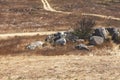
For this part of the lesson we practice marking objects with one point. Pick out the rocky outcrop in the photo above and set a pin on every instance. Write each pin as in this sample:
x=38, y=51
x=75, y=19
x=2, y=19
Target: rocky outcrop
x=98, y=37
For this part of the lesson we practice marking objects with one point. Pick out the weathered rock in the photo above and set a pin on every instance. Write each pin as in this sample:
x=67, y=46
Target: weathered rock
x=116, y=37
x=112, y=30
x=96, y=40
x=34, y=45
x=82, y=47
x=102, y=32
x=53, y=38
x=61, y=41
x=115, y=34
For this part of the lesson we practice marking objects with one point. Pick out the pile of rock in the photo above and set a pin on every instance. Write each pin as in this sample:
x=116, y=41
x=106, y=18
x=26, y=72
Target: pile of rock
x=61, y=38
x=98, y=37
x=58, y=38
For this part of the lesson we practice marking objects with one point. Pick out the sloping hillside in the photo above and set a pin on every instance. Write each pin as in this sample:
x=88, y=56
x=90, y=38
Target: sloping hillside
x=29, y=15
x=104, y=7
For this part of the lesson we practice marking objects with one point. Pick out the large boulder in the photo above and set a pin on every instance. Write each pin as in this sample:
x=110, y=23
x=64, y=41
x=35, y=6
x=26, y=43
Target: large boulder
x=96, y=40
x=82, y=47
x=112, y=30
x=115, y=34
x=102, y=32
x=34, y=45
x=61, y=41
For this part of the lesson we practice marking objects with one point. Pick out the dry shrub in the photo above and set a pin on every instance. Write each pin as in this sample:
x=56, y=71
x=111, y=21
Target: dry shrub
x=84, y=27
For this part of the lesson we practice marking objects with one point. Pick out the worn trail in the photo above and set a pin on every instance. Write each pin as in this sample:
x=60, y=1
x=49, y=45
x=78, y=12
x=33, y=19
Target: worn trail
x=48, y=7
x=9, y=35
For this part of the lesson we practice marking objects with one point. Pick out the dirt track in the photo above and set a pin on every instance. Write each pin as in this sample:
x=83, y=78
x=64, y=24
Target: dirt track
x=49, y=8
x=5, y=36
x=101, y=16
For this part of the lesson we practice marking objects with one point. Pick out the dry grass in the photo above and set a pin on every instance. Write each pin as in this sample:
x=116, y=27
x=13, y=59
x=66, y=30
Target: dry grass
x=17, y=46
x=17, y=63
x=29, y=16
x=59, y=68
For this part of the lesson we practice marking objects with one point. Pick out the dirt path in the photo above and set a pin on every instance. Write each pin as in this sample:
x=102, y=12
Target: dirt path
x=49, y=8
x=9, y=35
x=101, y=16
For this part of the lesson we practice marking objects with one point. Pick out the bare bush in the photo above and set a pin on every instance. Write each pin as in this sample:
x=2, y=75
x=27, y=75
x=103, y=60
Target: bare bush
x=83, y=28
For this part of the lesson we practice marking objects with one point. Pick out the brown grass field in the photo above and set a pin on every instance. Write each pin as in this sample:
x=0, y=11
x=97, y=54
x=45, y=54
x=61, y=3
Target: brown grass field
x=56, y=62
x=59, y=68
x=29, y=15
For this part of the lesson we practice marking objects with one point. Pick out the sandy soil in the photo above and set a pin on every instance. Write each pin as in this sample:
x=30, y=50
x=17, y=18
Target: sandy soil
x=60, y=68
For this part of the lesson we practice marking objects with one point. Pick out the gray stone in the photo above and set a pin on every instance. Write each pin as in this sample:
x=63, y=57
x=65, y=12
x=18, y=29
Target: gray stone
x=102, y=32
x=82, y=47
x=53, y=38
x=96, y=40
x=34, y=45
x=60, y=35
x=61, y=41
x=112, y=30
x=115, y=34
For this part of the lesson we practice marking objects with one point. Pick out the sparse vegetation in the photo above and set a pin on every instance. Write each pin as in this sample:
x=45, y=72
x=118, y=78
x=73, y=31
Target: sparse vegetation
x=56, y=62
x=29, y=16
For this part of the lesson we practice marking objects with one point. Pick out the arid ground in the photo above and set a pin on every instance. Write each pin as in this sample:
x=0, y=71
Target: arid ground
x=55, y=62
x=30, y=16
x=60, y=68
